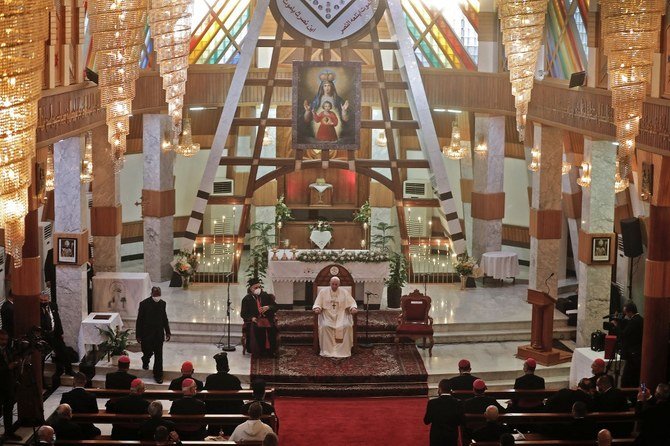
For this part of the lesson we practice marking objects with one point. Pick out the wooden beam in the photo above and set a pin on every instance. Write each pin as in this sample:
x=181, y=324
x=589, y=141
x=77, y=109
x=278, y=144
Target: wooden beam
x=359, y=45
x=227, y=199
x=365, y=124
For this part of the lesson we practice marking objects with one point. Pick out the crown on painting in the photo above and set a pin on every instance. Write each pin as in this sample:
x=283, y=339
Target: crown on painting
x=327, y=76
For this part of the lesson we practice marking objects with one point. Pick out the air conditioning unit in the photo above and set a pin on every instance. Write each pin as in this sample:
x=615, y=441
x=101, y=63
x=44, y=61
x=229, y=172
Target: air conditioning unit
x=46, y=243
x=417, y=189
x=622, y=269
x=223, y=186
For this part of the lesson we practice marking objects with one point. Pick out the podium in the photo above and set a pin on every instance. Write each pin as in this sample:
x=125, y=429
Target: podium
x=542, y=332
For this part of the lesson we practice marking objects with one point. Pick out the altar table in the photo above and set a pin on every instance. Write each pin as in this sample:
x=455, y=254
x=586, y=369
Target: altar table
x=500, y=264
x=120, y=292
x=580, y=367
x=289, y=276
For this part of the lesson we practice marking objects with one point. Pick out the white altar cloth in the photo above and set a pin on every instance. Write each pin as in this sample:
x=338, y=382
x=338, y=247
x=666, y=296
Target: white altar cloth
x=88, y=331
x=580, y=367
x=120, y=292
x=500, y=264
x=321, y=238
x=321, y=188
x=285, y=273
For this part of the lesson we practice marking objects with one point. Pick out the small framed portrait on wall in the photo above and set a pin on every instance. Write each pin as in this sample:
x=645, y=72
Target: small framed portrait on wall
x=67, y=250
x=600, y=249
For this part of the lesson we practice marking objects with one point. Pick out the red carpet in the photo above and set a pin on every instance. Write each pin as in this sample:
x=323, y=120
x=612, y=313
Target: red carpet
x=352, y=421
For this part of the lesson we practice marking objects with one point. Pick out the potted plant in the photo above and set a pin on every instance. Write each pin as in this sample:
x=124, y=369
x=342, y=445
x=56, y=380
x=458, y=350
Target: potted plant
x=261, y=241
x=396, y=280
x=116, y=342
x=382, y=240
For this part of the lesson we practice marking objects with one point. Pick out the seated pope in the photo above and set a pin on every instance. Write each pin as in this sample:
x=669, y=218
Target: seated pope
x=335, y=307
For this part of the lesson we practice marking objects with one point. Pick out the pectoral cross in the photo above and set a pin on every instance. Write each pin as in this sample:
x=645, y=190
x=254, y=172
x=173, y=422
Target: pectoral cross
x=334, y=303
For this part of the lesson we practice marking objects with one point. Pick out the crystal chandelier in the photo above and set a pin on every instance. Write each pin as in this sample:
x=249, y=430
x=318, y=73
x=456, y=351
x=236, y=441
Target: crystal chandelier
x=454, y=150
x=566, y=167
x=620, y=183
x=522, y=26
x=25, y=26
x=86, y=175
x=170, y=24
x=186, y=146
x=584, y=179
x=117, y=28
x=534, y=165
x=630, y=32
x=49, y=180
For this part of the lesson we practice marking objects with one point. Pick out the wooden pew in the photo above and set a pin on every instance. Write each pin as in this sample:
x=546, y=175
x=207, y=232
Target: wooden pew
x=227, y=420
x=538, y=394
x=616, y=441
x=109, y=442
x=540, y=417
x=176, y=394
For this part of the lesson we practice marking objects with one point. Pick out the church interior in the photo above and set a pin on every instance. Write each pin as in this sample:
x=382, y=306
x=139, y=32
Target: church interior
x=355, y=206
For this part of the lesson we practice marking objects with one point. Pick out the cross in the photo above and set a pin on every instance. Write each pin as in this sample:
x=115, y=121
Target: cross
x=334, y=303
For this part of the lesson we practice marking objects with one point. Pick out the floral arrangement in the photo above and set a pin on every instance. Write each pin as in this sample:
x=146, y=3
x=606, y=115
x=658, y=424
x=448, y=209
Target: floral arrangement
x=185, y=263
x=364, y=214
x=282, y=212
x=321, y=226
x=465, y=266
x=318, y=255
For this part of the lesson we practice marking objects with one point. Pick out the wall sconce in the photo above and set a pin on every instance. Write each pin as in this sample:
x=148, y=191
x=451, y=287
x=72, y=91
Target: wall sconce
x=267, y=138
x=381, y=139
x=481, y=148
x=534, y=165
x=565, y=168
x=620, y=183
x=86, y=174
x=584, y=179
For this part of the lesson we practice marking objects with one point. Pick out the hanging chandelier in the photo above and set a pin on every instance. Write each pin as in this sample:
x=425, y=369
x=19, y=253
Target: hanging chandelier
x=25, y=26
x=186, y=146
x=630, y=32
x=454, y=150
x=86, y=175
x=170, y=24
x=117, y=28
x=49, y=179
x=620, y=183
x=522, y=26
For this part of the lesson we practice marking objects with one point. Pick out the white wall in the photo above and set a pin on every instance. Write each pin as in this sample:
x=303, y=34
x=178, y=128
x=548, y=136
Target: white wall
x=515, y=186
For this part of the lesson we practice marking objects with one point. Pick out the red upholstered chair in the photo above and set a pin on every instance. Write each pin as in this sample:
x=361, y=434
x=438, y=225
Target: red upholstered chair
x=414, y=322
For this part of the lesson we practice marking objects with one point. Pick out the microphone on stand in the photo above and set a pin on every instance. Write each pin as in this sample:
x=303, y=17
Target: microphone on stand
x=227, y=347
x=367, y=343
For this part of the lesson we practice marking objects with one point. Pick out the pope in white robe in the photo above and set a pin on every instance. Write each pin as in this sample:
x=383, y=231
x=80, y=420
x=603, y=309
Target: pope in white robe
x=335, y=307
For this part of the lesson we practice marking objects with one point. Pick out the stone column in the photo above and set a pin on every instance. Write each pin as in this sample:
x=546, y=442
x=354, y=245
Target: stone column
x=572, y=205
x=158, y=199
x=70, y=236
x=106, y=222
x=488, y=198
x=545, y=228
x=657, y=277
x=467, y=183
x=595, y=273
x=489, y=45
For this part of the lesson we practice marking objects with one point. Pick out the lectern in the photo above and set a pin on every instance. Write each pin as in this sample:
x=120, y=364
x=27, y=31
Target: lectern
x=542, y=331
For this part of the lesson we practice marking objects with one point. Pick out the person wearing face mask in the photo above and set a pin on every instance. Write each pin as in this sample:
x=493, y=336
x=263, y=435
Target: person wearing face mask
x=258, y=311
x=152, y=328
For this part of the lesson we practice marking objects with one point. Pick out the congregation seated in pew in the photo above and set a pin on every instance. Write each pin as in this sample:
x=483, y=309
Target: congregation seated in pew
x=189, y=405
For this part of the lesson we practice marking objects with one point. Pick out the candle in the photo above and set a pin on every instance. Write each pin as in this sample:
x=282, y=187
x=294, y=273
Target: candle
x=363, y=243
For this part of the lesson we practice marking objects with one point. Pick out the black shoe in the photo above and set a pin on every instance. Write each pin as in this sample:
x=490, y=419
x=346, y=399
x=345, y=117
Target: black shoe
x=145, y=366
x=158, y=380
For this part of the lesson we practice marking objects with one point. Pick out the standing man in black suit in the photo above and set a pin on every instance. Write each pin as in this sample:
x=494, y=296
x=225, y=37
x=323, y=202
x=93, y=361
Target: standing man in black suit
x=189, y=405
x=464, y=380
x=8, y=367
x=630, y=333
x=7, y=315
x=52, y=331
x=81, y=401
x=445, y=415
x=120, y=379
x=152, y=329
x=529, y=381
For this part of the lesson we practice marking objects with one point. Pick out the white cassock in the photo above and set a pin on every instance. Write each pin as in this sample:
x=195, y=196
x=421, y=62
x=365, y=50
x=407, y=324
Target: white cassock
x=336, y=333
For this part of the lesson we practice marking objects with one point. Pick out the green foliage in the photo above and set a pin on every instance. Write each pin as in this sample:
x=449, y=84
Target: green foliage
x=282, y=212
x=382, y=240
x=398, y=271
x=261, y=240
x=363, y=214
x=116, y=341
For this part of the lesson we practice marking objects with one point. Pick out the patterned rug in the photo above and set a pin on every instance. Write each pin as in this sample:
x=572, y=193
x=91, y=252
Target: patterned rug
x=379, y=371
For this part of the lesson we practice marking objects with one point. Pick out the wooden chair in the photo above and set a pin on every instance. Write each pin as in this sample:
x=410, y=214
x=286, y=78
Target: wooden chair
x=322, y=281
x=414, y=322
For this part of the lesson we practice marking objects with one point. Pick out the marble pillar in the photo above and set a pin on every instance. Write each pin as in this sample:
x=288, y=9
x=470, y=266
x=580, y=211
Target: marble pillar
x=70, y=223
x=488, y=198
x=467, y=182
x=158, y=198
x=546, y=215
x=572, y=205
x=106, y=223
x=597, y=220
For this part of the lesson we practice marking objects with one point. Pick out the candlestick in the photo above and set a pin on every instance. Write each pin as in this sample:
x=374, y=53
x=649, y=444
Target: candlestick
x=363, y=243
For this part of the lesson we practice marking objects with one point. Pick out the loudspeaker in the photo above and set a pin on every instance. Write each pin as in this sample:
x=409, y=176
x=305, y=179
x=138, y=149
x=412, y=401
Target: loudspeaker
x=631, y=235
x=577, y=79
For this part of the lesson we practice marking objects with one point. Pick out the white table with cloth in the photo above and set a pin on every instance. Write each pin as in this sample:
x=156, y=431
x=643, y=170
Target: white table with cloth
x=89, y=333
x=500, y=264
x=580, y=367
x=120, y=292
x=289, y=276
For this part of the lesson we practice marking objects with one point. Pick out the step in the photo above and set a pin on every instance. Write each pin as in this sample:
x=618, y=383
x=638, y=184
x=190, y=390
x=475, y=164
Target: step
x=559, y=321
x=497, y=335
